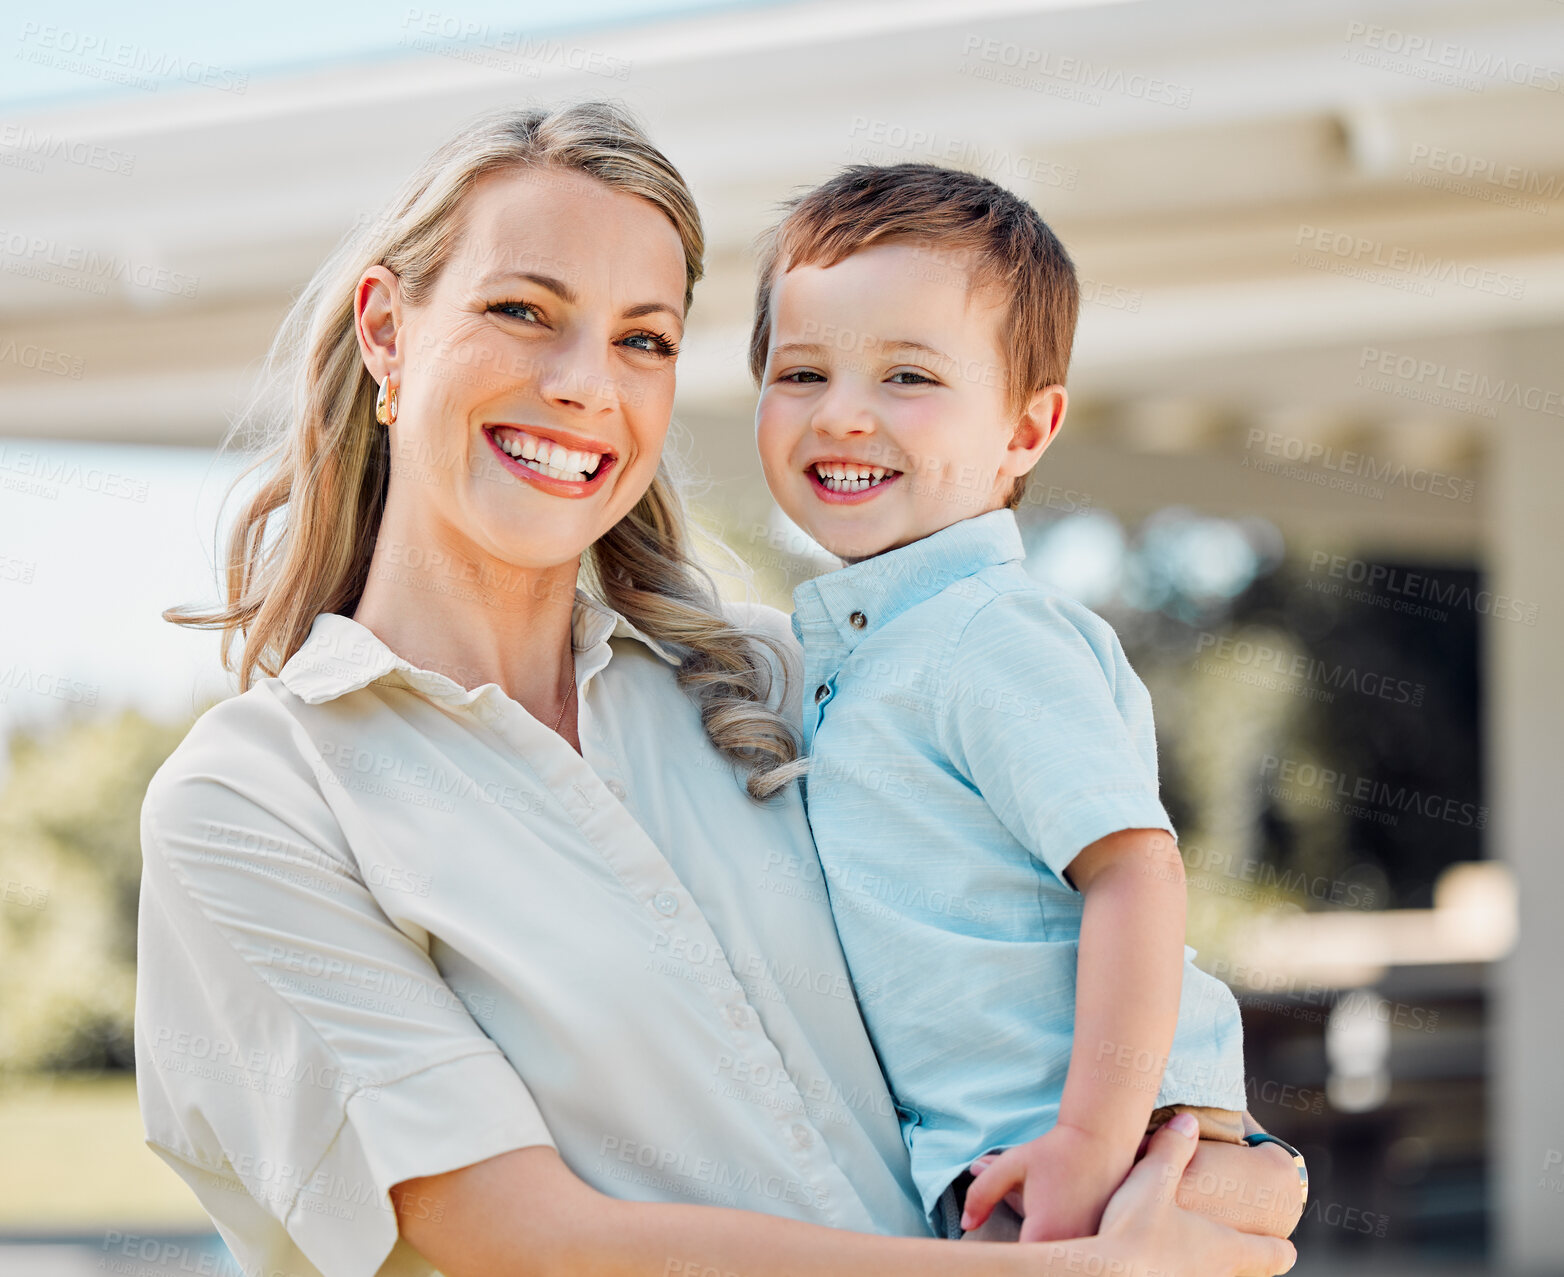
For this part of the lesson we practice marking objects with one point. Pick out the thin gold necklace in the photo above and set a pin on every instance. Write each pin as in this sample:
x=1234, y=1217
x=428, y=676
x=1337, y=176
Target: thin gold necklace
x=569, y=696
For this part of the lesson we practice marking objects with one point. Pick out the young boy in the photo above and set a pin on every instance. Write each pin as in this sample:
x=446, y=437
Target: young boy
x=982, y=781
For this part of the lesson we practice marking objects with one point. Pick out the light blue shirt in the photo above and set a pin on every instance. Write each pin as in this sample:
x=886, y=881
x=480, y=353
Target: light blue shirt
x=969, y=733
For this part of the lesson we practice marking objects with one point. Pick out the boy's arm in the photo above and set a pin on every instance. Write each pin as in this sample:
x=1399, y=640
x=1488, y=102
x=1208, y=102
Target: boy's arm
x=1128, y=980
x=1129, y=974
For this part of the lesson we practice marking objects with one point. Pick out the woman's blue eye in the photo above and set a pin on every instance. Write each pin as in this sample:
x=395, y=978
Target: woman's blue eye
x=658, y=343
x=507, y=307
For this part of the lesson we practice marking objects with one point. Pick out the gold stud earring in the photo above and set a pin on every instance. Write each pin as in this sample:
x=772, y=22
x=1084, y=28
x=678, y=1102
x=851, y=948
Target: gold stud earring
x=385, y=403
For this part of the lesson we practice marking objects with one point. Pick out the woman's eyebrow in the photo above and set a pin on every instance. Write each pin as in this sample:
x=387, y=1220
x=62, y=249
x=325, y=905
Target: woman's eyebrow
x=652, y=308
x=558, y=287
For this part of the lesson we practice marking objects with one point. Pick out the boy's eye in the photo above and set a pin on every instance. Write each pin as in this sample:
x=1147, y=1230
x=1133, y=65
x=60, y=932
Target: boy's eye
x=907, y=377
x=801, y=376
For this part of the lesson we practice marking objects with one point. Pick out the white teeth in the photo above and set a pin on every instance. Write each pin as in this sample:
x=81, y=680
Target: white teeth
x=841, y=477
x=548, y=457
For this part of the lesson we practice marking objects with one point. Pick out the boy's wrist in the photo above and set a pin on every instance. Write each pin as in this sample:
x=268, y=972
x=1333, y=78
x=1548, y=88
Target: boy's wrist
x=1114, y=1140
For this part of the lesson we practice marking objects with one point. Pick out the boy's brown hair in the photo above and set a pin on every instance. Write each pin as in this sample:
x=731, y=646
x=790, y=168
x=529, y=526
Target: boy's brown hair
x=971, y=223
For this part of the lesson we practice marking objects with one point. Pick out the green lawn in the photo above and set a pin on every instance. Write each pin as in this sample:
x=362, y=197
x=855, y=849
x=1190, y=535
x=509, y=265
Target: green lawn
x=75, y=1161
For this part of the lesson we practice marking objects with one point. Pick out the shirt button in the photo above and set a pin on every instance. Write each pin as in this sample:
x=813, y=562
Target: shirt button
x=616, y=789
x=858, y=620
x=821, y=693
x=665, y=902
x=739, y=1016
x=803, y=1135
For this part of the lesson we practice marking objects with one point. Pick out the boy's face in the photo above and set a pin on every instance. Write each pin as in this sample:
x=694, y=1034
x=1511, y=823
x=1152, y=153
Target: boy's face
x=886, y=366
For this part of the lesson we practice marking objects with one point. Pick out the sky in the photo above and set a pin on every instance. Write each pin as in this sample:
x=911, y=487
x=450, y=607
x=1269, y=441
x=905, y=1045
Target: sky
x=278, y=37
x=95, y=541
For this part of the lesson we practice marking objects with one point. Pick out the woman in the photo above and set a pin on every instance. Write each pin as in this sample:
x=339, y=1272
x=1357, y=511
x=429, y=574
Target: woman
x=484, y=932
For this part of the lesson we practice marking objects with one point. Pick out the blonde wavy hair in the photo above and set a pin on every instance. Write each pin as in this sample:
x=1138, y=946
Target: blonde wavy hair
x=303, y=541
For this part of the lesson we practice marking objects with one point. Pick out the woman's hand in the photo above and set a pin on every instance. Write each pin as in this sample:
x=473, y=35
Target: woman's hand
x=1255, y=1190
x=1145, y=1227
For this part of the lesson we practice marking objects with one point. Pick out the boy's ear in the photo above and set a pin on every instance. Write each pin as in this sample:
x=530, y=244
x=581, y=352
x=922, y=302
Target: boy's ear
x=1036, y=428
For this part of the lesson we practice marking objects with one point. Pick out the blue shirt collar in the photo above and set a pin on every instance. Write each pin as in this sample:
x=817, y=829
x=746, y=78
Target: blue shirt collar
x=853, y=602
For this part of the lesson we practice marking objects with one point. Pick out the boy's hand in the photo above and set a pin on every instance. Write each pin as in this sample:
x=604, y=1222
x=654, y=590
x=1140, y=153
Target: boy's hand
x=1063, y=1180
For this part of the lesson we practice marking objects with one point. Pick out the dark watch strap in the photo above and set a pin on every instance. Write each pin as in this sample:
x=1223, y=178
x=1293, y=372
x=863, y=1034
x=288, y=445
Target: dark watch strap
x=1262, y=1137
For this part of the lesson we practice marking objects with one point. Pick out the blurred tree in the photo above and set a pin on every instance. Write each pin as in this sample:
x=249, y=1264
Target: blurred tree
x=70, y=871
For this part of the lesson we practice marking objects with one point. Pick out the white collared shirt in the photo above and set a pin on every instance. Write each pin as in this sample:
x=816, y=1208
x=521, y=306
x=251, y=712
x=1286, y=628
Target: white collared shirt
x=390, y=926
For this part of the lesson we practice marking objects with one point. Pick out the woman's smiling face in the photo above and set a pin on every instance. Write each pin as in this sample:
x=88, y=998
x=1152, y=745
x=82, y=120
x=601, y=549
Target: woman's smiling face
x=536, y=380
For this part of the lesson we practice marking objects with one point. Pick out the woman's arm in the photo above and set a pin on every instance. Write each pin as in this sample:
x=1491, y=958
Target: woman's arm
x=470, y=1223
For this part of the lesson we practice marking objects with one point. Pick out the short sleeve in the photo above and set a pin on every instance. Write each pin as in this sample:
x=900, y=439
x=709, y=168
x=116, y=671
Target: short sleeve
x=297, y=1054
x=1042, y=714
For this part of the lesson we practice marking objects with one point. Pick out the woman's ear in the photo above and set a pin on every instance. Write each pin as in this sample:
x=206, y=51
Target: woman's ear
x=377, y=319
x=1036, y=428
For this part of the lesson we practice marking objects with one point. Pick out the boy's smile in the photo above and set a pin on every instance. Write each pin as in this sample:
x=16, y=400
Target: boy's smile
x=845, y=479
x=883, y=413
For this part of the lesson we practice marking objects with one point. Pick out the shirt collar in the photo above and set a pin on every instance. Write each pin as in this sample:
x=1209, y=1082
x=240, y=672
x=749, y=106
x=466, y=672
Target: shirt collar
x=853, y=602
x=341, y=655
